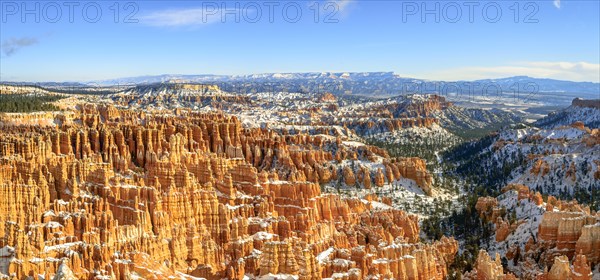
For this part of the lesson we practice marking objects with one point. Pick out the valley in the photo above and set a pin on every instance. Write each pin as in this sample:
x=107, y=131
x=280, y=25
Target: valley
x=189, y=180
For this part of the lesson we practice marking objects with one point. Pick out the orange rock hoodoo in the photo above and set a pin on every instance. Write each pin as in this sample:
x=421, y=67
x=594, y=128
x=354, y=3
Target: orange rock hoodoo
x=120, y=192
x=570, y=233
x=567, y=232
x=562, y=270
x=486, y=268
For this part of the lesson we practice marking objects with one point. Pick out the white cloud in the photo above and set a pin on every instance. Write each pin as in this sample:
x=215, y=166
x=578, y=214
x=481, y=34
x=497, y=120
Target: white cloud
x=572, y=71
x=343, y=4
x=556, y=4
x=207, y=14
x=178, y=18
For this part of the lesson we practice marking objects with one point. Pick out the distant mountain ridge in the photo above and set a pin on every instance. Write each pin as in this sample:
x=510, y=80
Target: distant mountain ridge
x=544, y=84
x=370, y=84
x=386, y=84
x=255, y=77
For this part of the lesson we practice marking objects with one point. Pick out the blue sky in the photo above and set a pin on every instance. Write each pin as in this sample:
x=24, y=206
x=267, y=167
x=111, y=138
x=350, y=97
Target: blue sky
x=554, y=39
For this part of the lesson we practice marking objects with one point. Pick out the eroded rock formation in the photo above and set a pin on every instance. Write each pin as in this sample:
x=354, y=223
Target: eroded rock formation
x=114, y=193
x=591, y=103
x=570, y=233
x=488, y=269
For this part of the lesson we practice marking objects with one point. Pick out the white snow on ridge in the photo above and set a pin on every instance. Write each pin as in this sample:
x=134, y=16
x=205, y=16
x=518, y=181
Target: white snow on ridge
x=324, y=256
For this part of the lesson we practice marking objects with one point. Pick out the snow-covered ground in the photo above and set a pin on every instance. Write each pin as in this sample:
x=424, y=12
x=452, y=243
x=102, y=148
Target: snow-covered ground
x=531, y=216
x=552, y=160
x=525, y=210
x=405, y=195
x=589, y=116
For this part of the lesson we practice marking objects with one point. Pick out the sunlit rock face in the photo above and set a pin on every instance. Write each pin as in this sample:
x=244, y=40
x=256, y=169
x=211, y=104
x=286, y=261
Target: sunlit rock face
x=580, y=270
x=565, y=243
x=119, y=193
x=570, y=233
x=487, y=268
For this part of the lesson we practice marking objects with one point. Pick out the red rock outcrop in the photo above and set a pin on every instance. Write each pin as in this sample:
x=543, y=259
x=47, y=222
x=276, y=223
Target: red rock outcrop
x=327, y=97
x=567, y=231
x=588, y=243
x=486, y=268
x=581, y=269
x=590, y=103
x=564, y=230
x=115, y=192
x=562, y=270
x=414, y=168
x=488, y=209
x=540, y=167
x=503, y=229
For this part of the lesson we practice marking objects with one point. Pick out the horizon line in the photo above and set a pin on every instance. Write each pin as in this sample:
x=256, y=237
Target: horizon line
x=273, y=73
